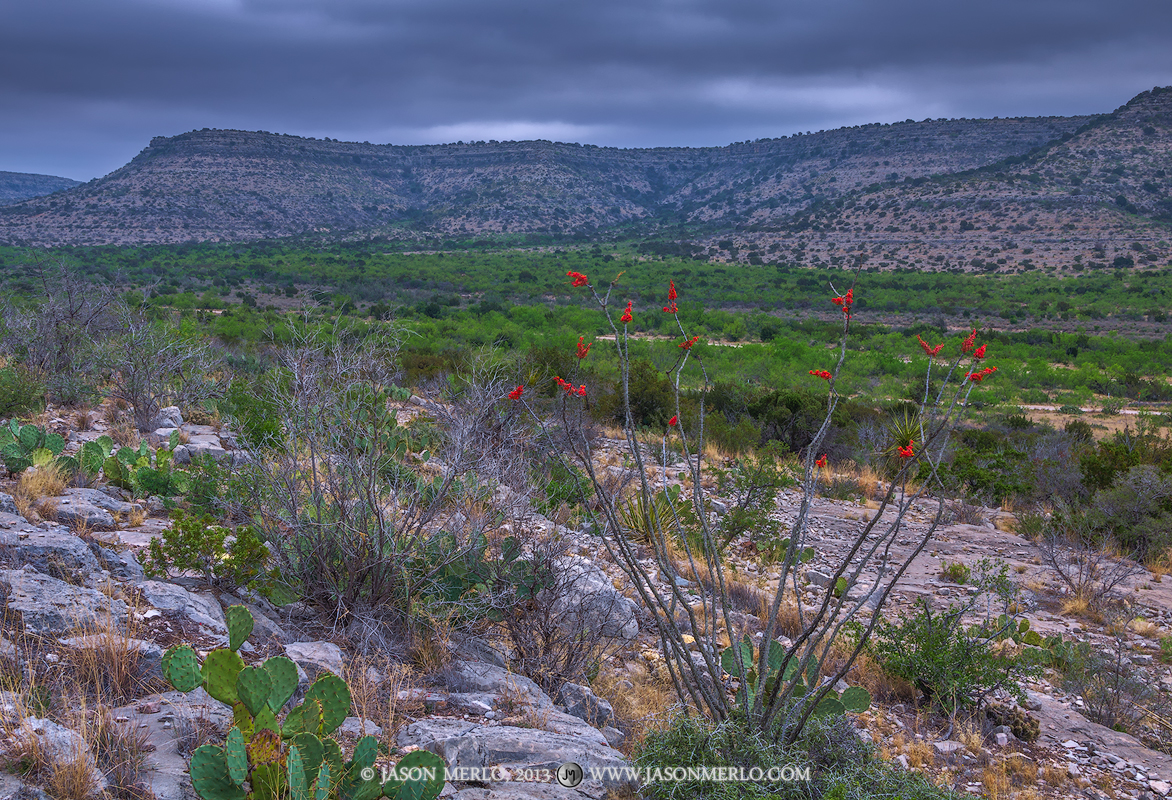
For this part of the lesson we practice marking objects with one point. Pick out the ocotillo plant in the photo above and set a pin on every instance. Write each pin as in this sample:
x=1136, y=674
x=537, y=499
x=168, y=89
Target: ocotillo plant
x=785, y=686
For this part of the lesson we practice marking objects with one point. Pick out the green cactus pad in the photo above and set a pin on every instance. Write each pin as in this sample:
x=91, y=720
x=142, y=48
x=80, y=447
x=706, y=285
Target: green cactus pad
x=209, y=775
x=856, y=699
x=304, y=718
x=365, y=752
x=268, y=782
x=312, y=754
x=295, y=773
x=829, y=707
x=283, y=674
x=242, y=720
x=237, y=756
x=253, y=685
x=266, y=720
x=427, y=771
x=219, y=675
x=180, y=667
x=334, y=696
x=333, y=757
x=240, y=624
x=321, y=788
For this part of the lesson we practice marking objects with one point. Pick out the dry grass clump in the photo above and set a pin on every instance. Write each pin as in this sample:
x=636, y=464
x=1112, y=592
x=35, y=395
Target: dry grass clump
x=919, y=753
x=37, y=482
x=125, y=433
x=1054, y=775
x=120, y=750
x=642, y=703
x=402, y=702
x=1145, y=627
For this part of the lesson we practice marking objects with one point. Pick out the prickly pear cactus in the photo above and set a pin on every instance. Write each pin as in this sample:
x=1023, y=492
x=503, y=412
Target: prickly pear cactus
x=291, y=759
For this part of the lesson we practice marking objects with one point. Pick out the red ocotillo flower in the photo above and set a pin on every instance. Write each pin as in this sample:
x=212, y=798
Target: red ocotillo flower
x=966, y=346
x=583, y=348
x=626, y=317
x=687, y=343
x=673, y=421
x=908, y=451
x=821, y=373
x=671, y=291
x=929, y=349
x=845, y=301
x=977, y=377
x=821, y=462
x=980, y=352
x=581, y=390
x=578, y=279
x=516, y=393
x=671, y=308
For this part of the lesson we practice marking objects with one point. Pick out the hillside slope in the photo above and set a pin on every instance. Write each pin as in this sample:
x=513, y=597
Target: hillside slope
x=1101, y=197
x=17, y=186
x=234, y=185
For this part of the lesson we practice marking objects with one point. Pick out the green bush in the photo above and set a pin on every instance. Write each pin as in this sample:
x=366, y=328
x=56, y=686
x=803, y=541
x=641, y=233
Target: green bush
x=563, y=483
x=840, y=764
x=21, y=392
x=253, y=413
x=227, y=558
x=953, y=665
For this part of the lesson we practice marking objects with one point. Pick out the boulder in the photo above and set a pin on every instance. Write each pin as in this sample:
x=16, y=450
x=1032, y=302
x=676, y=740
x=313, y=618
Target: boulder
x=60, y=744
x=356, y=727
x=169, y=417
x=177, y=600
x=50, y=607
x=482, y=678
x=590, y=602
x=584, y=704
x=317, y=658
x=91, y=507
x=123, y=566
x=471, y=744
x=7, y=504
x=55, y=552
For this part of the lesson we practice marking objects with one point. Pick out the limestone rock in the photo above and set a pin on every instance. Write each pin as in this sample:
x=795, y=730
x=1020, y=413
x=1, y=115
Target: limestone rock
x=582, y=703
x=175, y=599
x=169, y=417
x=50, y=607
x=591, y=602
x=317, y=658
x=92, y=507
x=470, y=744
x=55, y=552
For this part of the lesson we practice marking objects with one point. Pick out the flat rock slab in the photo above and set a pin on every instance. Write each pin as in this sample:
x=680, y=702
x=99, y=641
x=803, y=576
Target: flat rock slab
x=90, y=507
x=470, y=744
x=1059, y=724
x=177, y=600
x=533, y=791
x=54, y=552
x=50, y=607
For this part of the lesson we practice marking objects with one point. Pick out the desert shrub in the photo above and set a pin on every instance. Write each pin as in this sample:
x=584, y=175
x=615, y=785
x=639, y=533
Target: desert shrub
x=955, y=665
x=840, y=764
x=1166, y=649
x=1136, y=512
x=21, y=391
x=1114, y=693
x=562, y=483
x=956, y=572
x=253, y=413
x=751, y=486
x=227, y=558
x=652, y=398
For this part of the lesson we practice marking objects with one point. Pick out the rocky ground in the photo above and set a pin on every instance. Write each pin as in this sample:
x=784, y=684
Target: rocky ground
x=74, y=577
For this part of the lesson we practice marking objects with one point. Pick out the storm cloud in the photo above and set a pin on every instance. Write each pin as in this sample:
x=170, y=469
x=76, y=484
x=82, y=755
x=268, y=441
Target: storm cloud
x=85, y=84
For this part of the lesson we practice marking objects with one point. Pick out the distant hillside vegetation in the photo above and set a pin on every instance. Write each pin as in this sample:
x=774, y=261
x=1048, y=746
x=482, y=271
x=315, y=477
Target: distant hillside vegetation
x=16, y=186
x=970, y=194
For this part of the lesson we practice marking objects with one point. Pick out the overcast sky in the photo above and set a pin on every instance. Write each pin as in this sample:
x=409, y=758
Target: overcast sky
x=85, y=84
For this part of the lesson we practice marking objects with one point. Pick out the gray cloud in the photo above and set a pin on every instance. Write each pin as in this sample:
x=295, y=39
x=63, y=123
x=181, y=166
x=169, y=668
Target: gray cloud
x=84, y=84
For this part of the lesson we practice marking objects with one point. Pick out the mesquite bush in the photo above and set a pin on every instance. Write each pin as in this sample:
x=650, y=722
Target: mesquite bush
x=782, y=686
